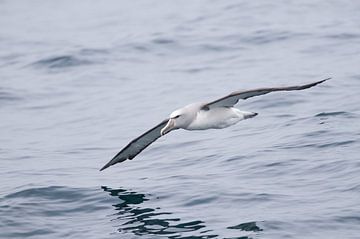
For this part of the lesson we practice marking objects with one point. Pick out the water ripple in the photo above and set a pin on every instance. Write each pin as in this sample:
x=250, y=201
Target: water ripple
x=38, y=211
x=64, y=61
x=262, y=37
x=343, y=36
x=336, y=113
x=247, y=226
x=8, y=96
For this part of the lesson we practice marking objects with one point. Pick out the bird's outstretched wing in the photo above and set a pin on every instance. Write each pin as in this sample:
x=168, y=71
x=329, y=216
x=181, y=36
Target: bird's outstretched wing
x=233, y=98
x=137, y=145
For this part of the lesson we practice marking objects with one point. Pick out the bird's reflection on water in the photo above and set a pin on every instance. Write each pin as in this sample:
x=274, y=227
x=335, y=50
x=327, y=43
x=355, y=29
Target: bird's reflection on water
x=139, y=220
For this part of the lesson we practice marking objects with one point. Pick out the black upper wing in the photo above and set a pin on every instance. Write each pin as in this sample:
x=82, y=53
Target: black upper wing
x=233, y=98
x=137, y=145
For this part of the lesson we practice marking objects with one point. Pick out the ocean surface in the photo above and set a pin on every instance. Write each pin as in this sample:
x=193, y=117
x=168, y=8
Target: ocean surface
x=80, y=79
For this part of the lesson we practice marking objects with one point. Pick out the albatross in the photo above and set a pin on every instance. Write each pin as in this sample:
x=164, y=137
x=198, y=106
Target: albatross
x=216, y=114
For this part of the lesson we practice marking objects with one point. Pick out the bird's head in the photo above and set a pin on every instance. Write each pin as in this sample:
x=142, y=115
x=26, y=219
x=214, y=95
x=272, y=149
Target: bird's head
x=180, y=118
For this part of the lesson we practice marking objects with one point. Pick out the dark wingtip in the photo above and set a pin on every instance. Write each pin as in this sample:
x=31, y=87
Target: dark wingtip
x=105, y=167
x=323, y=80
x=111, y=162
x=314, y=84
x=319, y=82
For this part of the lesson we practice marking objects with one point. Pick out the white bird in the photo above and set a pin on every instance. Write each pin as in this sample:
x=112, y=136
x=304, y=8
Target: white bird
x=216, y=114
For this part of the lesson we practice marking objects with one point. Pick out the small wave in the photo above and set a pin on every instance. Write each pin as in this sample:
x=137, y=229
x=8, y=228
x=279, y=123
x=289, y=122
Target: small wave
x=156, y=45
x=93, y=51
x=247, y=226
x=349, y=219
x=61, y=62
x=192, y=70
x=343, y=36
x=42, y=198
x=51, y=193
x=7, y=95
x=262, y=37
x=39, y=211
x=319, y=145
x=336, y=144
x=335, y=113
x=163, y=41
x=202, y=200
x=31, y=233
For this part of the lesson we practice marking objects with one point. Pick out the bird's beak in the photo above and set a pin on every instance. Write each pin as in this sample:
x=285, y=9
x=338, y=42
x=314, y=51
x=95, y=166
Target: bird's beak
x=168, y=127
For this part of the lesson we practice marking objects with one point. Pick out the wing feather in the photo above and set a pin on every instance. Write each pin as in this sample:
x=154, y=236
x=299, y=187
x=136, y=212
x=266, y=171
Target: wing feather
x=137, y=145
x=233, y=98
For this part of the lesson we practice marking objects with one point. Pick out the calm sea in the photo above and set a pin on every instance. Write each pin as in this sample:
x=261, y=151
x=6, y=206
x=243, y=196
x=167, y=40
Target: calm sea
x=80, y=79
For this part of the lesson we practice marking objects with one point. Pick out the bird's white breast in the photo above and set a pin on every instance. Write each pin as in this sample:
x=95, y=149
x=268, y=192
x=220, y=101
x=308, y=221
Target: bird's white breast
x=216, y=118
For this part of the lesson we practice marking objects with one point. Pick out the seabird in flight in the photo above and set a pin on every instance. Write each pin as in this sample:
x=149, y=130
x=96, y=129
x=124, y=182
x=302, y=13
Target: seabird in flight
x=216, y=114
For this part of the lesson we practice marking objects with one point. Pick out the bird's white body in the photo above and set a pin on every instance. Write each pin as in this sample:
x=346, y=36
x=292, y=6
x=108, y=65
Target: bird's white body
x=194, y=117
x=217, y=118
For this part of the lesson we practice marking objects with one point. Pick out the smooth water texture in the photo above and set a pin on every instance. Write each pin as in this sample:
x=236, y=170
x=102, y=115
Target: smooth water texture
x=80, y=79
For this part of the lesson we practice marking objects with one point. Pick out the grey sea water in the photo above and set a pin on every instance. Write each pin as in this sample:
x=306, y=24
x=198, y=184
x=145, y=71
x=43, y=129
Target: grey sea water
x=80, y=79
